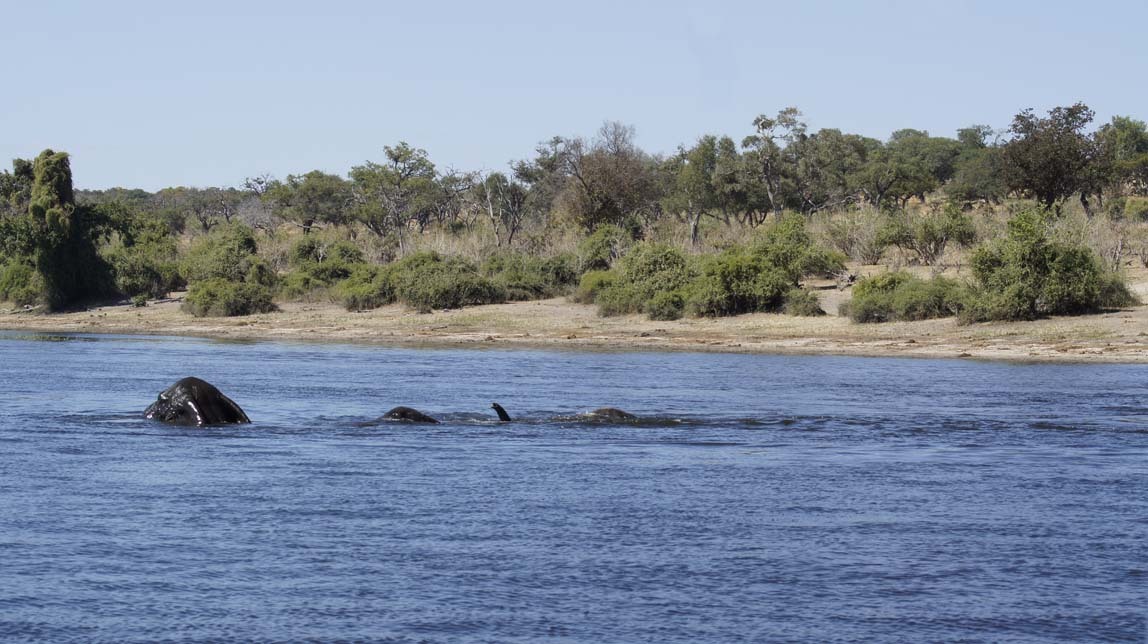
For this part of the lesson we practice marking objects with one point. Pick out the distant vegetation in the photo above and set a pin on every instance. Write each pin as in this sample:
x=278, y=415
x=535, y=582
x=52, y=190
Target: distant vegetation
x=1034, y=220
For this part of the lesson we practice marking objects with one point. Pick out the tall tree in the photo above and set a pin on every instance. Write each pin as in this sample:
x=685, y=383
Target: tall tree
x=392, y=194
x=771, y=152
x=610, y=178
x=63, y=235
x=1050, y=157
x=505, y=202
x=315, y=197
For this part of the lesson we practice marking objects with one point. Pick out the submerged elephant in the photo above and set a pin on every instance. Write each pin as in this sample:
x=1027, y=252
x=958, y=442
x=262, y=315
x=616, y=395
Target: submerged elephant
x=408, y=414
x=610, y=413
x=192, y=401
x=604, y=414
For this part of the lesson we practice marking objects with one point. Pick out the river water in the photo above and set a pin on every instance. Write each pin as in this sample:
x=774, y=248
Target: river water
x=760, y=498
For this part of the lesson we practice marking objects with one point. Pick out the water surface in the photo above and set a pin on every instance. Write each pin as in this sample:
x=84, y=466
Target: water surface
x=760, y=499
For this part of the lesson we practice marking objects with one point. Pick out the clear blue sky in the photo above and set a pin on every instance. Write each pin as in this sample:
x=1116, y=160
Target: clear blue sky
x=143, y=94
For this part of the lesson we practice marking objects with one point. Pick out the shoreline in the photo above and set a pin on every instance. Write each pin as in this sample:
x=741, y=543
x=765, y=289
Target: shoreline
x=1119, y=337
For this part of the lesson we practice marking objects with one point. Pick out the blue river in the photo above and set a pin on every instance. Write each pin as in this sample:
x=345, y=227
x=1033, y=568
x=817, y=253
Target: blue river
x=757, y=499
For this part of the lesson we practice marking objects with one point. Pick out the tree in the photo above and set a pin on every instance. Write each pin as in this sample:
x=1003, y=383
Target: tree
x=770, y=152
x=1124, y=142
x=312, y=198
x=505, y=203
x=389, y=195
x=63, y=235
x=1050, y=158
x=693, y=192
x=610, y=178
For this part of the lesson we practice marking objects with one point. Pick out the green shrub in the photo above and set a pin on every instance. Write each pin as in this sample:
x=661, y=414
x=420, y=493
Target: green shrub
x=648, y=269
x=1026, y=275
x=927, y=235
x=139, y=301
x=787, y=247
x=666, y=305
x=20, y=284
x=226, y=253
x=217, y=297
x=606, y=245
x=651, y=268
x=592, y=283
x=802, y=302
x=427, y=281
x=900, y=296
x=620, y=299
x=149, y=270
x=735, y=282
x=528, y=278
x=310, y=249
x=368, y=287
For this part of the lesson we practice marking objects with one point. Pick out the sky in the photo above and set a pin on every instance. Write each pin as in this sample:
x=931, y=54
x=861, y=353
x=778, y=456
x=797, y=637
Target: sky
x=150, y=95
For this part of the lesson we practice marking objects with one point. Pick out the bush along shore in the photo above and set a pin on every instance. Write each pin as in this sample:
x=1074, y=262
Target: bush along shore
x=972, y=228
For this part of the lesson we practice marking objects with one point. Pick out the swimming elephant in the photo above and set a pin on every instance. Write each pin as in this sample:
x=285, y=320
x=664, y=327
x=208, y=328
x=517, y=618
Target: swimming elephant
x=409, y=415
x=192, y=401
x=610, y=413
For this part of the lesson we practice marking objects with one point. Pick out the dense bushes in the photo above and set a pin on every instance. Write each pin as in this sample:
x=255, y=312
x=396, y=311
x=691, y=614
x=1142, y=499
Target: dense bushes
x=899, y=296
x=530, y=278
x=226, y=277
x=665, y=284
x=20, y=283
x=647, y=270
x=1026, y=275
x=423, y=281
x=603, y=247
x=226, y=253
x=928, y=234
x=317, y=266
x=218, y=297
x=144, y=259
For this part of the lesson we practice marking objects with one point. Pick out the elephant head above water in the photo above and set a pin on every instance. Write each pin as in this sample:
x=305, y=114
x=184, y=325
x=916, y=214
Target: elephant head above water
x=192, y=401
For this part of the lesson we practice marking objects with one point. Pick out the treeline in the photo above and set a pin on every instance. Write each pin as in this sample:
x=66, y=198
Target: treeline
x=540, y=228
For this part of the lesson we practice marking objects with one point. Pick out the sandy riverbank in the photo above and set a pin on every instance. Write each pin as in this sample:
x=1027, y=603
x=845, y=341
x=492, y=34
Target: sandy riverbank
x=1120, y=336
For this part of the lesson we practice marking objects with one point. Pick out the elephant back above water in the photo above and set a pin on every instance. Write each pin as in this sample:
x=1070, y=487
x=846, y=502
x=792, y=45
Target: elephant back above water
x=195, y=402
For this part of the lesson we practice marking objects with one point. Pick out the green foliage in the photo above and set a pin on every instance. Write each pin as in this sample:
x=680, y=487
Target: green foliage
x=1026, y=275
x=899, y=296
x=148, y=270
x=620, y=299
x=139, y=301
x=1050, y=158
x=787, y=247
x=651, y=268
x=318, y=266
x=368, y=287
x=737, y=282
x=144, y=258
x=312, y=197
x=64, y=235
x=426, y=281
x=927, y=235
x=226, y=253
x=218, y=297
x=528, y=278
x=602, y=248
x=802, y=302
x=666, y=305
x=20, y=283
x=592, y=283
